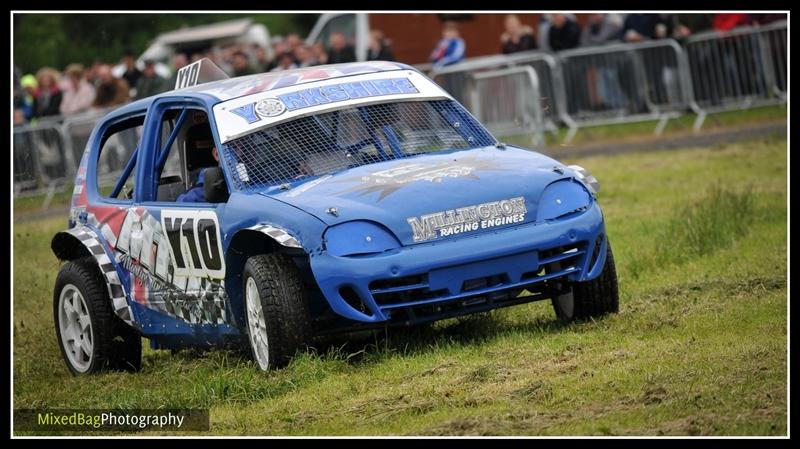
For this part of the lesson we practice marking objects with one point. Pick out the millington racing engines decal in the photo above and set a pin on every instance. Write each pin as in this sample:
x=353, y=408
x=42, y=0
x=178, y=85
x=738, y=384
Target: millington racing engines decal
x=468, y=219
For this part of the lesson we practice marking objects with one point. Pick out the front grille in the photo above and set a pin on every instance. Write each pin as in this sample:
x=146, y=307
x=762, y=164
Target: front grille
x=557, y=260
x=472, y=304
x=352, y=299
x=404, y=289
x=485, y=282
x=401, y=282
x=414, y=291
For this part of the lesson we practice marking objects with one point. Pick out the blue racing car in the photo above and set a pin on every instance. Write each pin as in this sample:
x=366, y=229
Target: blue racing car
x=276, y=207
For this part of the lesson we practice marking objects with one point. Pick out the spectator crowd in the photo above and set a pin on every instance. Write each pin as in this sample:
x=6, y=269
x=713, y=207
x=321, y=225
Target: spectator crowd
x=78, y=89
x=556, y=32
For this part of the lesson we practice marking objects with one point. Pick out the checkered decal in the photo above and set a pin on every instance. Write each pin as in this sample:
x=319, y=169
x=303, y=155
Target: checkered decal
x=279, y=235
x=115, y=290
x=207, y=306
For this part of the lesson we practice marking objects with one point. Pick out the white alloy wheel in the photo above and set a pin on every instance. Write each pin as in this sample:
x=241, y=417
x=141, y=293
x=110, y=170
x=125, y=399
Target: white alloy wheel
x=75, y=326
x=256, y=324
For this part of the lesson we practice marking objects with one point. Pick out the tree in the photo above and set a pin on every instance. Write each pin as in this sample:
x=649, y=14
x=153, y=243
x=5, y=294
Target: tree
x=57, y=40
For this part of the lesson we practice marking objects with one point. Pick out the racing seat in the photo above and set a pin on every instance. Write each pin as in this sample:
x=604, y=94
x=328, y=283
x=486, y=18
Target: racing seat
x=169, y=188
x=198, y=152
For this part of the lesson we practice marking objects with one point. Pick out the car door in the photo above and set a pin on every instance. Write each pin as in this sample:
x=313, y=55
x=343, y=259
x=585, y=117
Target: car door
x=174, y=248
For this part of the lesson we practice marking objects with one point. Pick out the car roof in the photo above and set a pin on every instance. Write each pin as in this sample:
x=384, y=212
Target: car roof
x=247, y=85
x=230, y=88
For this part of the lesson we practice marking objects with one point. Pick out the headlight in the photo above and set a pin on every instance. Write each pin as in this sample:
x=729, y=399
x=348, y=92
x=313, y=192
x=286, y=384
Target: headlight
x=359, y=238
x=562, y=198
x=588, y=180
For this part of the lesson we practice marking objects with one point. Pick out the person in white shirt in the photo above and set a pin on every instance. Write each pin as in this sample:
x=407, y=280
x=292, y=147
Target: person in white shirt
x=78, y=94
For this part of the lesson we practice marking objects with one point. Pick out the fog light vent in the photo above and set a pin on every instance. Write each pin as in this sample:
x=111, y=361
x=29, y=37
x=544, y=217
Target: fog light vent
x=353, y=300
x=598, y=244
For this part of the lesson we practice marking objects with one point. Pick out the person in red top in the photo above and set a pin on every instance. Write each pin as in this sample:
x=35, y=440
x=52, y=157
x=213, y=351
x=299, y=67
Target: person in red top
x=727, y=22
x=733, y=64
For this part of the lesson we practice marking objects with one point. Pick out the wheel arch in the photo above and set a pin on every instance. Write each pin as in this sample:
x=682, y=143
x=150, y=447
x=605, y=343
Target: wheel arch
x=83, y=241
x=67, y=246
x=248, y=242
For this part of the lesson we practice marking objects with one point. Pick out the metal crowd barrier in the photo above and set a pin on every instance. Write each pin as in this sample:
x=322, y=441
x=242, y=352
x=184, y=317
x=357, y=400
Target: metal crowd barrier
x=630, y=82
x=738, y=69
x=623, y=83
x=46, y=153
x=424, y=67
x=41, y=161
x=499, y=106
x=547, y=72
x=459, y=80
x=551, y=87
x=77, y=129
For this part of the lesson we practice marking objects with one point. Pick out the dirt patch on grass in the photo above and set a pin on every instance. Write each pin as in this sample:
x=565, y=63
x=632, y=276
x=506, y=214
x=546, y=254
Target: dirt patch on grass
x=379, y=409
x=522, y=422
x=535, y=391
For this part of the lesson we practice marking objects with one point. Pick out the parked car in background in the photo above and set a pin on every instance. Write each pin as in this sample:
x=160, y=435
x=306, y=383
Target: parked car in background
x=199, y=40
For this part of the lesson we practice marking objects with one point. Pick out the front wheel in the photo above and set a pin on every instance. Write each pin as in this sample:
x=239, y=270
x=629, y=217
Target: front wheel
x=275, y=309
x=91, y=337
x=592, y=298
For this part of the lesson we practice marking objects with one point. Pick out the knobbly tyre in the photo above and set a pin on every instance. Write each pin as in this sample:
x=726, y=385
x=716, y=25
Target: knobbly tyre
x=332, y=198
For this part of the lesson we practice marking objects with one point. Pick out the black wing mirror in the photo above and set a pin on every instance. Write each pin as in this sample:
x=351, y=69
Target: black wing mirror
x=214, y=187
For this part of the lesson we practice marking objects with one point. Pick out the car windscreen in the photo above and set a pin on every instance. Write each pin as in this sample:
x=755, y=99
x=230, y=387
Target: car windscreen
x=336, y=140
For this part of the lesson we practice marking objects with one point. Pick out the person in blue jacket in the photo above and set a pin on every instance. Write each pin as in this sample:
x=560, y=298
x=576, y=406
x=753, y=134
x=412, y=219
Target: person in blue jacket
x=197, y=193
x=451, y=47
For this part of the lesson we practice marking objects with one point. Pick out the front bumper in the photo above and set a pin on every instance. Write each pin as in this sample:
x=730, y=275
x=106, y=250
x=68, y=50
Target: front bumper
x=489, y=268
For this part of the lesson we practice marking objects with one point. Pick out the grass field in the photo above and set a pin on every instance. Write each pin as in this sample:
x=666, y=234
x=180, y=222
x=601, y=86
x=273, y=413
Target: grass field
x=698, y=348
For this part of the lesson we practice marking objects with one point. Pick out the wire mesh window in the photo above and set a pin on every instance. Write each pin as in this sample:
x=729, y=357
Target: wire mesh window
x=332, y=141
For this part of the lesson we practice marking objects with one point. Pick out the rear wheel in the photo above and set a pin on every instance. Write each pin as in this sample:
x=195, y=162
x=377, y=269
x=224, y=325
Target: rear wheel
x=91, y=337
x=592, y=298
x=277, y=317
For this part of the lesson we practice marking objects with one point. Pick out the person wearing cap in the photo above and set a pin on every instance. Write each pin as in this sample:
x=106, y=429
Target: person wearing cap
x=29, y=86
x=78, y=94
x=150, y=83
x=132, y=74
x=241, y=64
